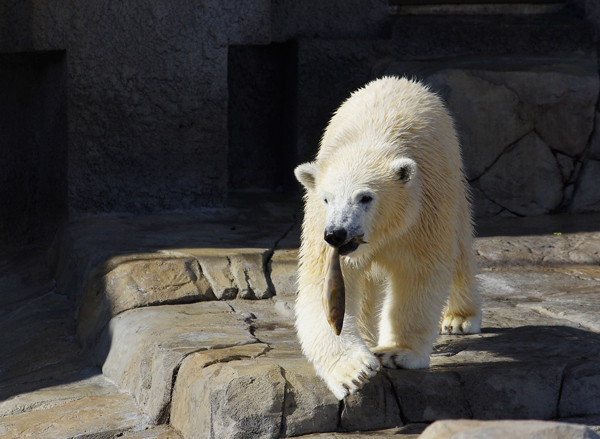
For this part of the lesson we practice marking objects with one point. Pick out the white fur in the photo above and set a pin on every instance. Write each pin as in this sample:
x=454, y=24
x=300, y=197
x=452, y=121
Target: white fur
x=394, y=143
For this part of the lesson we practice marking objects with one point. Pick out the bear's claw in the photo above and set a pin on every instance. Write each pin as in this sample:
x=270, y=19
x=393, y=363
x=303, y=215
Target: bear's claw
x=398, y=358
x=452, y=324
x=351, y=373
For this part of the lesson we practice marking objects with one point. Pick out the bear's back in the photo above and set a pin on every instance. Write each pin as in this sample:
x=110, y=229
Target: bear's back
x=396, y=112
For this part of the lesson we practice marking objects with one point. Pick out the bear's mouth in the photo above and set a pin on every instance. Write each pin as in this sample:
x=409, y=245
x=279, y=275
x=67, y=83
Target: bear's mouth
x=351, y=245
x=348, y=248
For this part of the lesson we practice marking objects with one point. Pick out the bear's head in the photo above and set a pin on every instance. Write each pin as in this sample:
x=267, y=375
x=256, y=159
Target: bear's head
x=365, y=198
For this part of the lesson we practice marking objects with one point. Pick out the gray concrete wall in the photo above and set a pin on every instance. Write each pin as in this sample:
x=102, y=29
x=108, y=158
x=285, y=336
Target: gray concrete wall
x=170, y=105
x=147, y=88
x=147, y=94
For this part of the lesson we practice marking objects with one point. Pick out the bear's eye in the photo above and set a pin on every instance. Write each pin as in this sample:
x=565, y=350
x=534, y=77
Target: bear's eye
x=325, y=200
x=365, y=199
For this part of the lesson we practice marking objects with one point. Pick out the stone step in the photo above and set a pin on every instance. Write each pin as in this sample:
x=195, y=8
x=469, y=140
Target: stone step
x=110, y=265
x=201, y=366
x=544, y=370
x=221, y=355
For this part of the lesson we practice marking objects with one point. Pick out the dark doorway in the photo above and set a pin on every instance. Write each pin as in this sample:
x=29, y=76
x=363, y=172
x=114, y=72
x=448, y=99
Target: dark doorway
x=262, y=117
x=33, y=145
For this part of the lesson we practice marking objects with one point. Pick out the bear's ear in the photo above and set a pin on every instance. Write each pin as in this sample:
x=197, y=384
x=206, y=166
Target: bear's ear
x=306, y=173
x=405, y=169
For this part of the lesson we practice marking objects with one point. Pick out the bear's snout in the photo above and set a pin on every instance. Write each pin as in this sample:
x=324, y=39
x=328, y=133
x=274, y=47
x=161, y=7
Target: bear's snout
x=336, y=237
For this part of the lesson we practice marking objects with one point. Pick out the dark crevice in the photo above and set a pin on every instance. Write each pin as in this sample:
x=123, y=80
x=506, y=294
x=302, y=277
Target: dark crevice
x=506, y=149
x=577, y=173
x=286, y=390
x=338, y=426
x=560, y=390
x=504, y=208
x=403, y=417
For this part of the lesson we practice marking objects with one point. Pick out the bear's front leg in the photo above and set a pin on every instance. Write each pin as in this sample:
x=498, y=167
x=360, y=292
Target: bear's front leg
x=409, y=320
x=344, y=362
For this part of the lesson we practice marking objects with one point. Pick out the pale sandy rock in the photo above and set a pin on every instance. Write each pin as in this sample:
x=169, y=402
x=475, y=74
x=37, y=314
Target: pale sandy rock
x=249, y=273
x=283, y=272
x=141, y=348
x=593, y=422
x=580, y=394
x=271, y=323
x=218, y=273
x=468, y=429
x=236, y=399
x=102, y=416
x=552, y=249
x=285, y=308
x=48, y=397
x=191, y=378
x=159, y=432
x=143, y=281
x=233, y=272
x=307, y=405
x=566, y=293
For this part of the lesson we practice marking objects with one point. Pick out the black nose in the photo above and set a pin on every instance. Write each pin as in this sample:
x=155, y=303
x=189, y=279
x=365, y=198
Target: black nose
x=336, y=237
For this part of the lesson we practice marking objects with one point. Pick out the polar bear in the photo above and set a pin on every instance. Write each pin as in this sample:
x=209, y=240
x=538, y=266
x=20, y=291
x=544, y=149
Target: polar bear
x=389, y=171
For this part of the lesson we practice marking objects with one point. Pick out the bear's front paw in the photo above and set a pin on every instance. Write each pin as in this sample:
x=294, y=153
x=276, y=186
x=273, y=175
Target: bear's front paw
x=453, y=324
x=350, y=373
x=399, y=358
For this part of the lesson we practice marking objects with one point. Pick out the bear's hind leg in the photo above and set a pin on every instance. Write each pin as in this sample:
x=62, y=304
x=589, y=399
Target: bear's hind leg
x=462, y=314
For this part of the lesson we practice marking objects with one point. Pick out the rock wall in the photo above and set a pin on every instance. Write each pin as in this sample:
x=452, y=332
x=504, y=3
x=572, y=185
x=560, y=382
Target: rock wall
x=527, y=129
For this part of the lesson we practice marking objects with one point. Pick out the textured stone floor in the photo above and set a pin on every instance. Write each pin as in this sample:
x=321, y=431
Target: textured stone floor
x=182, y=326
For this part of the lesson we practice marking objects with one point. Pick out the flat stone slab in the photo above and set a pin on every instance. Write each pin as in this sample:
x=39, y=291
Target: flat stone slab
x=90, y=407
x=110, y=265
x=159, y=432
